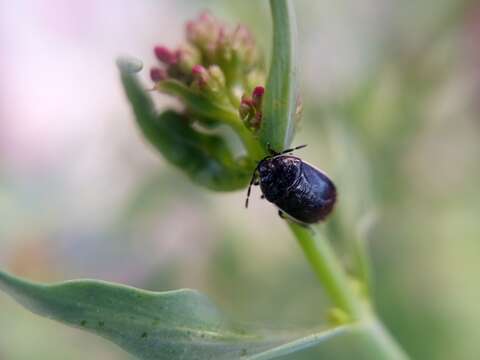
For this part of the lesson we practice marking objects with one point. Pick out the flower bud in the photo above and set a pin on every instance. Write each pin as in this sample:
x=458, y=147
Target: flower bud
x=200, y=75
x=210, y=72
x=243, y=44
x=165, y=55
x=257, y=96
x=157, y=74
x=210, y=81
x=250, y=109
x=217, y=75
x=203, y=31
x=198, y=69
x=246, y=109
x=187, y=56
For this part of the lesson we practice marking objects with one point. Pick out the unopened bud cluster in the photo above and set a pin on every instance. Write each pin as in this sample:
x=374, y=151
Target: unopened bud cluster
x=217, y=64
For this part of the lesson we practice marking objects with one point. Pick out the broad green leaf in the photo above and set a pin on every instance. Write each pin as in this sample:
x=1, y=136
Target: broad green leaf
x=181, y=324
x=280, y=101
x=205, y=158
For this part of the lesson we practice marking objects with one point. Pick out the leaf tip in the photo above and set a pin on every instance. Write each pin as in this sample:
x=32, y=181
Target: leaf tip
x=129, y=65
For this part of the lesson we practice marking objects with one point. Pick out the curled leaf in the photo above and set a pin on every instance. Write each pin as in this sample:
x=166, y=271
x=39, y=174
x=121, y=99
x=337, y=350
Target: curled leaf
x=129, y=65
x=205, y=158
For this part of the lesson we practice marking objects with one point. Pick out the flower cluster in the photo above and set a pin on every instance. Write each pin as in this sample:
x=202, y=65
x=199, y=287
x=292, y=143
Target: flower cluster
x=217, y=65
x=217, y=74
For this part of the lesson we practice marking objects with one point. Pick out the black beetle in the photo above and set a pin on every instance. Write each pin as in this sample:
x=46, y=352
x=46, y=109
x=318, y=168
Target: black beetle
x=300, y=191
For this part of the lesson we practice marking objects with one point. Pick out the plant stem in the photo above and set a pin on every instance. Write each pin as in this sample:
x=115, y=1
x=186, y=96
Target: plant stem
x=251, y=144
x=329, y=271
x=334, y=279
x=381, y=342
x=281, y=91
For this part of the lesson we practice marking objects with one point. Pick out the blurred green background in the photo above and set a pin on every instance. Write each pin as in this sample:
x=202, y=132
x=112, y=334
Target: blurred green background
x=391, y=96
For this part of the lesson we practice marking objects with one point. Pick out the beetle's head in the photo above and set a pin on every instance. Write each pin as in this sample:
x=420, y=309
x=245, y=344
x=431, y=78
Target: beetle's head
x=265, y=166
x=278, y=173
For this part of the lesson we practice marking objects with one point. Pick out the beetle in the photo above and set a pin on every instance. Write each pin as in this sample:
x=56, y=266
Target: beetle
x=301, y=192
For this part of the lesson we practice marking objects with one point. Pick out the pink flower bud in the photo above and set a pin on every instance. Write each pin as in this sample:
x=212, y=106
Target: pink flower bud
x=249, y=113
x=257, y=96
x=200, y=74
x=157, y=74
x=165, y=55
x=217, y=63
x=198, y=70
x=258, y=92
x=187, y=56
x=203, y=31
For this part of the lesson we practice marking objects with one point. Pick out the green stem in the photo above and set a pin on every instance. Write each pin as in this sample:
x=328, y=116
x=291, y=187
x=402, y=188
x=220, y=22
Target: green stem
x=382, y=344
x=281, y=92
x=329, y=271
x=332, y=276
x=252, y=145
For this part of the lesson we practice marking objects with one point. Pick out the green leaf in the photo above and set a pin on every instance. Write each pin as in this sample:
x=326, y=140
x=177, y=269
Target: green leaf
x=199, y=104
x=205, y=108
x=181, y=324
x=279, y=106
x=360, y=341
x=307, y=342
x=205, y=158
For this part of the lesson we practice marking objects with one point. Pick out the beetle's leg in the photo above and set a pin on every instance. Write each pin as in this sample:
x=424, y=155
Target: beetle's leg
x=283, y=216
x=293, y=149
x=305, y=225
x=252, y=181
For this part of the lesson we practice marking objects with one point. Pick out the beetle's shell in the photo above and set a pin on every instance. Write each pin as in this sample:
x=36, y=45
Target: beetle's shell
x=306, y=194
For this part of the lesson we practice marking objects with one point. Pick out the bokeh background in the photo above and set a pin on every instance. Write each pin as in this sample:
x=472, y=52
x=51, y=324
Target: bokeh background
x=391, y=94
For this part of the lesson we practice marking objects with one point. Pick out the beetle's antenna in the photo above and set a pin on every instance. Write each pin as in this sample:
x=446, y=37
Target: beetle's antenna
x=293, y=149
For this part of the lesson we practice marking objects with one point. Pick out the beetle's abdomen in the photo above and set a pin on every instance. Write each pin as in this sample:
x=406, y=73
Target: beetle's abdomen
x=311, y=198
